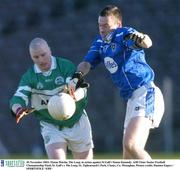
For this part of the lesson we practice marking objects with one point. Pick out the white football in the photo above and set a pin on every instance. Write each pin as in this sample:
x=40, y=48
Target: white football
x=62, y=106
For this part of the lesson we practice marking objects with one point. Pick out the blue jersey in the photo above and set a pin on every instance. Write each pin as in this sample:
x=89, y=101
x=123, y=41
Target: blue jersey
x=125, y=62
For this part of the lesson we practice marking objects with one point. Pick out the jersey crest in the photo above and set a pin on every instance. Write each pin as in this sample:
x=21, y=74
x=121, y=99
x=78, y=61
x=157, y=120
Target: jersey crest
x=113, y=47
x=59, y=80
x=39, y=86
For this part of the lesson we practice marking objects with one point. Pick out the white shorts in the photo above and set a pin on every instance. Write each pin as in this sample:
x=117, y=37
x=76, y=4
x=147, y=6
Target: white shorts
x=78, y=138
x=146, y=101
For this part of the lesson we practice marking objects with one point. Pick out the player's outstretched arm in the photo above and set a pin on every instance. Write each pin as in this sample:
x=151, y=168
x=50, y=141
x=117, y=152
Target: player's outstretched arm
x=78, y=77
x=84, y=67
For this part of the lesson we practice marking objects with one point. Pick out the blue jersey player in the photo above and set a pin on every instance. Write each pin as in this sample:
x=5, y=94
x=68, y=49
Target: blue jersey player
x=121, y=49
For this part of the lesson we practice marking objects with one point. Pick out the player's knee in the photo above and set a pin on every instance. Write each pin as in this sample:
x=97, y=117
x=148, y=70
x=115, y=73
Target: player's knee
x=130, y=146
x=83, y=155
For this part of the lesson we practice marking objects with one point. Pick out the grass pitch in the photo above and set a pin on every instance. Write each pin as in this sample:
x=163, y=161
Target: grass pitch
x=96, y=156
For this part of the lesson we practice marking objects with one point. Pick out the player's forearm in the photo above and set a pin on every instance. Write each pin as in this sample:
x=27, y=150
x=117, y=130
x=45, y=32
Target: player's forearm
x=80, y=93
x=84, y=67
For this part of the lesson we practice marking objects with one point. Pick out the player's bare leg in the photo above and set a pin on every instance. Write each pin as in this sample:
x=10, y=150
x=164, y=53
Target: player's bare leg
x=57, y=151
x=126, y=154
x=83, y=155
x=135, y=138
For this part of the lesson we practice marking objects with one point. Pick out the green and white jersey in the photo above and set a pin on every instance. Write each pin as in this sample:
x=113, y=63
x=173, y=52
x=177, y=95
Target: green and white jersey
x=36, y=88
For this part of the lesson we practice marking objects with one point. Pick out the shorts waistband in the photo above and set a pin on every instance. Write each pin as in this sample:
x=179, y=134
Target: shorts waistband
x=150, y=84
x=144, y=87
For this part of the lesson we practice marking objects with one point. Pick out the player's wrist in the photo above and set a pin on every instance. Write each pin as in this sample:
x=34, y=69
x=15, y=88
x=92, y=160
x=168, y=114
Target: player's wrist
x=78, y=74
x=15, y=108
x=80, y=93
x=19, y=110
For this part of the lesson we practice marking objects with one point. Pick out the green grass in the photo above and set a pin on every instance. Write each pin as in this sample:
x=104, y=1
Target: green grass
x=153, y=155
x=99, y=156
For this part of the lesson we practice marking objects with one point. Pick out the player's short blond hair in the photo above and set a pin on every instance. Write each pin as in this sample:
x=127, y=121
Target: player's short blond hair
x=37, y=42
x=111, y=10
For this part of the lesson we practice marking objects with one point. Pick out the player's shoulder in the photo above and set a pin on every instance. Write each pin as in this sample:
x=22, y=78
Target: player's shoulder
x=29, y=72
x=63, y=60
x=98, y=39
x=128, y=29
x=120, y=33
x=64, y=63
x=124, y=30
x=28, y=75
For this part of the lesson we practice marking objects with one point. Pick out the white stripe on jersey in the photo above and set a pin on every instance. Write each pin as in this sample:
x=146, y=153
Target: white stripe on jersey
x=49, y=92
x=26, y=88
x=117, y=35
x=23, y=96
x=99, y=41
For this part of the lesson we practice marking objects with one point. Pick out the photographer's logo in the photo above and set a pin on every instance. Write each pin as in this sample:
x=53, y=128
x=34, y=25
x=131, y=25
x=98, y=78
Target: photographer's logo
x=59, y=80
x=2, y=163
x=14, y=163
x=39, y=86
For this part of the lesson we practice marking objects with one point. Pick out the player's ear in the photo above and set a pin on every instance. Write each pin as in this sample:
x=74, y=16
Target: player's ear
x=119, y=23
x=50, y=53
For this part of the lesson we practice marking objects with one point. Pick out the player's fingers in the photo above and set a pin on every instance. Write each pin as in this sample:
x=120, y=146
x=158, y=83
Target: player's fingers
x=24, y=113
x=134, y=37
x=138, y=40
x=19, y=117
x=30, y=110
x=85, y=85
x=71, y=92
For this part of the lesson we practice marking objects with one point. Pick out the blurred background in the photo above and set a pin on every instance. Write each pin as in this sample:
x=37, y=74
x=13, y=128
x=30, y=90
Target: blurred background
x=69, y=26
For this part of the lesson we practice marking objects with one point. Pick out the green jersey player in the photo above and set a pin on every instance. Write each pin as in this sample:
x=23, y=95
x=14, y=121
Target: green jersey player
x=47, y=77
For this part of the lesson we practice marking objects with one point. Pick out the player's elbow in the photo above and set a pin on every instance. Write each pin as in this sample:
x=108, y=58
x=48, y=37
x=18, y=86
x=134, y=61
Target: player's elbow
x=147, y=42
x=84, y=67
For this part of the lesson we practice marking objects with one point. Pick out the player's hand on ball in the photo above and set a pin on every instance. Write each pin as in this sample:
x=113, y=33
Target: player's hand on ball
x=76, y=82
x=21, y=112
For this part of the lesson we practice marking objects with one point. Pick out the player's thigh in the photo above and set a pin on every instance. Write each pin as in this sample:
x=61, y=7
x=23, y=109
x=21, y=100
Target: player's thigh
x=54, y=140
x=137, y=132
x=56, y=150
x=83, y=155
x=80, y=136
x=146, y=102
x=159, y=107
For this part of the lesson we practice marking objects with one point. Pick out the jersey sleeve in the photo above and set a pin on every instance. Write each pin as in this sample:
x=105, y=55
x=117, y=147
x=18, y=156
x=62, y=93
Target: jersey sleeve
x=93, y=56
x=22, y=93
